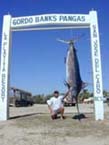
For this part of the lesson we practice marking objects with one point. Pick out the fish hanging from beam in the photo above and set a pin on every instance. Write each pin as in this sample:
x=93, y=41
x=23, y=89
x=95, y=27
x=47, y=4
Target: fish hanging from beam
x=73, y=77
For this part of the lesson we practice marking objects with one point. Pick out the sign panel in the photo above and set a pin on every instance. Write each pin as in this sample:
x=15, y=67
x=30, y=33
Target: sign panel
x=96, y=65
x=50, y=19
x=4, y=71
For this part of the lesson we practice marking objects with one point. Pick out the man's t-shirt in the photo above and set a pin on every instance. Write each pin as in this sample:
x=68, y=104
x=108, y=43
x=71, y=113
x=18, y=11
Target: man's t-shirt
x=56, y=103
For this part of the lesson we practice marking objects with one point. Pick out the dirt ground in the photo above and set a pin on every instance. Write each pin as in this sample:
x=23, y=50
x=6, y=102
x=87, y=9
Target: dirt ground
x=33, y=126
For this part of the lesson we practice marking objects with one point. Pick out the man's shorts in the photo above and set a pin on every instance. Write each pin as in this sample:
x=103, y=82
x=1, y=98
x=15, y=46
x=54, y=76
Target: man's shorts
x=56, y=112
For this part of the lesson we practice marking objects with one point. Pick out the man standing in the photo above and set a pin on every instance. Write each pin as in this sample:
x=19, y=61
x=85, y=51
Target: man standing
x=55, y=105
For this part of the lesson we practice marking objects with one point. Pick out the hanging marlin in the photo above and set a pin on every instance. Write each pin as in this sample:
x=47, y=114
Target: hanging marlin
x=73, y=77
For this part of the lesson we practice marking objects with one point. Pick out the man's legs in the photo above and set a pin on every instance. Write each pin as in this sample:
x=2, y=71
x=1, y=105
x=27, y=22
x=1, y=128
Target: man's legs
x=61, y=110
x=56, y=112
x=54, y=116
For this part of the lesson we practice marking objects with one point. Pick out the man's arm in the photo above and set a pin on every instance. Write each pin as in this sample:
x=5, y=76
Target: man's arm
x=50, y=109
x=49, y=102
x=66, y=94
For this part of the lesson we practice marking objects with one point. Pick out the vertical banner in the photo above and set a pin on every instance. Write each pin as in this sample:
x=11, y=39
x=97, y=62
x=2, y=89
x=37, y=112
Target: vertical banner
x=96, y=65
x=4, y=70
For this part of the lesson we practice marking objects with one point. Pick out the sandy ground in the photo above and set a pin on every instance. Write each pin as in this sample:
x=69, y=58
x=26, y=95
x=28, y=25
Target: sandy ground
x=33, y=126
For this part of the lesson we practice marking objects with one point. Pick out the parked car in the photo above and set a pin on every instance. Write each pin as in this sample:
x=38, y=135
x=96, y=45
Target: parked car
x=23, y=103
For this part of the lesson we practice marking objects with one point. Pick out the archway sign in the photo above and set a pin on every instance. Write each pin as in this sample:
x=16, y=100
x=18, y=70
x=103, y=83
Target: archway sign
x=50, y=22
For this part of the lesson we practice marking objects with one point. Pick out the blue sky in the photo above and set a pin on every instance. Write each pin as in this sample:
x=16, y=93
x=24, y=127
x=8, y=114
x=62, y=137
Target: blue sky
x=37, y=59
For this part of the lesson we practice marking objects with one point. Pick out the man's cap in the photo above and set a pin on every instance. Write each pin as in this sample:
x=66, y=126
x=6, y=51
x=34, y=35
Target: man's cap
x=56, y=92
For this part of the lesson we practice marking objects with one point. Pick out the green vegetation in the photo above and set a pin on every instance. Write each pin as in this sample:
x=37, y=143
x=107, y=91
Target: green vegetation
x=85, y=94
x=39, y=99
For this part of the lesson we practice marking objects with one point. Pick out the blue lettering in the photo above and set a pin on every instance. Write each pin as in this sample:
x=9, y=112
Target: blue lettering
x=22, y=21
x=72, y=18
x=45, y=19
x=98, y=90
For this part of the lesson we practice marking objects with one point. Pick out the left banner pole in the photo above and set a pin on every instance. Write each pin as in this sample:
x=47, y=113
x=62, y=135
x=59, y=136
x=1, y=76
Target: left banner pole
x=4, y=68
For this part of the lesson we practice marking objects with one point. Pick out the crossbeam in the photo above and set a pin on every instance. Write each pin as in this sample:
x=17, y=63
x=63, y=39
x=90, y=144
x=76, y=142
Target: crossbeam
x=50, y=28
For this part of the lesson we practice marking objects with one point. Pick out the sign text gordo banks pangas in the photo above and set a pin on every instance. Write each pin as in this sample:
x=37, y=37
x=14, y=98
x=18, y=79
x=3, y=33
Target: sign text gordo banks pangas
x=50, y=19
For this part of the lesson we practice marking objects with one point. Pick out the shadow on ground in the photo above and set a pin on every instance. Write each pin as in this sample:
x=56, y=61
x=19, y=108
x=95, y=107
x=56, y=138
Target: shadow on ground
x=25, y=115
